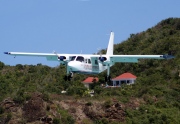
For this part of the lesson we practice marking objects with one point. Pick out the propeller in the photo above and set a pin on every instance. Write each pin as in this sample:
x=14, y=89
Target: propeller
x=101, y=58
x=61, y=58
x=100, y=53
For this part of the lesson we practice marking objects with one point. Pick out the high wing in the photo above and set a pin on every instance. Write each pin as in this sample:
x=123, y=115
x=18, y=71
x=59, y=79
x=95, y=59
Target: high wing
x=112, y=59
x=135, y=58
x=48, y=56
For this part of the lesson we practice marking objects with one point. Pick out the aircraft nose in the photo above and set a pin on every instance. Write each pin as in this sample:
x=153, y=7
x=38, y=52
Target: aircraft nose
x=72, y=66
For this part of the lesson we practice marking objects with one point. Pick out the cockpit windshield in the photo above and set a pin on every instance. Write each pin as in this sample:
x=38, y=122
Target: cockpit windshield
x=80, y=58
x=72, y=58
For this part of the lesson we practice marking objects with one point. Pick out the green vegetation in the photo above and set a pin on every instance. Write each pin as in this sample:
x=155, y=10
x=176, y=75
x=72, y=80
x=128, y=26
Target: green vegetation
x=157, y=87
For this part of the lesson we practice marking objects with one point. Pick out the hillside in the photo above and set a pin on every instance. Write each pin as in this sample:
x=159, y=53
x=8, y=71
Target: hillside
x=32, y=93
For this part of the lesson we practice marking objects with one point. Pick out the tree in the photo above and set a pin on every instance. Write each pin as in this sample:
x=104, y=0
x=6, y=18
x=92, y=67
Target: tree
x=1, y=65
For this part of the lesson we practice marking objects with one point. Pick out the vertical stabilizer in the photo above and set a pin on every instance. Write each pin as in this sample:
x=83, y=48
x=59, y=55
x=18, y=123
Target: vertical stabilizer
x=110, y=45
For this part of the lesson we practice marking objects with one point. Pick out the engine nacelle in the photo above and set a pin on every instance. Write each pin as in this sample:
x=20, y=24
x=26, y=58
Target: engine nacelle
x=61, y=58
x=102, y=59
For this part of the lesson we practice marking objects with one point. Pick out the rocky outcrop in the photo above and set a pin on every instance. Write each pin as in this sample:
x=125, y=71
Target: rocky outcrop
x=12, y=112
x=46, y=119
x=38, y=111
x=113, y=113
x=75, y=108
x=9, y=105
x=34, y=108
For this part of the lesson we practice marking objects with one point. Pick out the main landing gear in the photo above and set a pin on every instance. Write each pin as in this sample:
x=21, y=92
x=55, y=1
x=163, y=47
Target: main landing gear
x=108, y=77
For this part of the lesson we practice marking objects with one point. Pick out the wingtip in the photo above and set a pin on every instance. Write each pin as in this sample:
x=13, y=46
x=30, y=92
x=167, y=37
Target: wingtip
x=168, y=56
x=6, y=53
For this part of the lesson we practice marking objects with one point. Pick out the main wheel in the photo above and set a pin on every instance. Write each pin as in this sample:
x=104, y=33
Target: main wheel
x=107, y=78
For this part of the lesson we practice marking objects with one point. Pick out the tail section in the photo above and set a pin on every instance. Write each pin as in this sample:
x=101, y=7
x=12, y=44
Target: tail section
x=110, y=45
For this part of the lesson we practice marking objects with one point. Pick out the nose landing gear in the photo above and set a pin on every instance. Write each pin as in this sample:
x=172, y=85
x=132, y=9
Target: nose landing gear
x=68, y=76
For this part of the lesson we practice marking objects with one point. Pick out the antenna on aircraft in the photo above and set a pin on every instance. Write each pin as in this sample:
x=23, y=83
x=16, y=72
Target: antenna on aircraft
x=98, y=51
x=54, y=52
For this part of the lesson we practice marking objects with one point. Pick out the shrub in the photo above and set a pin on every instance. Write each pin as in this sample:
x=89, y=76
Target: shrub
x=1, y=65
x=89, y=103
x=76, y=90
x=9, y=116
x=98, y=89
x=107, y=104
x=45, y=97
x=86, y=121
x=48, y=107
x=56, y=121
x=70, y=120
x=102, y=121
x=19, y=67
x=1, y=110
x=18, y=99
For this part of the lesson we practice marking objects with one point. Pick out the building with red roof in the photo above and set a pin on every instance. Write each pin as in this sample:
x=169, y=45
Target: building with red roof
x=126, y=78
x=90, y=80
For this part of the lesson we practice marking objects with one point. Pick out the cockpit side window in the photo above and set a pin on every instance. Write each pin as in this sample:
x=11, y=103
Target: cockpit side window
x=72, y=58
x=80, y=58
x=85, y=61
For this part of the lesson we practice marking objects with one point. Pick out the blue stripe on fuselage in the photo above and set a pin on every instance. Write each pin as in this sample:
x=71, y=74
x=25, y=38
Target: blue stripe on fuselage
x=83, y=72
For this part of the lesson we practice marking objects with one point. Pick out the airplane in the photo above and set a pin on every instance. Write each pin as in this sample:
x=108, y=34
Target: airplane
x=90, y=63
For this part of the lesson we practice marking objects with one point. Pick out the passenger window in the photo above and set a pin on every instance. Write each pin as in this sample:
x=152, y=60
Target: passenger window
x=89, y=61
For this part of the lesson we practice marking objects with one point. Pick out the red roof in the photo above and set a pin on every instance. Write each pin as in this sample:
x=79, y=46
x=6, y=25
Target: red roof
x=90, y=80
x=125, y=76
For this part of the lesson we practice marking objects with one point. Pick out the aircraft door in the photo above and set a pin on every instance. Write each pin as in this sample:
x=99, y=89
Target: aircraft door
x=95, y=65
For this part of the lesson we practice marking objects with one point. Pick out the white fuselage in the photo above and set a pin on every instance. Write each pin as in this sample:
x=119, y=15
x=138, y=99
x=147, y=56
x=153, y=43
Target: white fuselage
x=81, y=64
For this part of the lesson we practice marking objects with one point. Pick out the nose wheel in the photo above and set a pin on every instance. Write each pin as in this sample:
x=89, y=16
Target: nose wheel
x=68, y=77
x=69, y=74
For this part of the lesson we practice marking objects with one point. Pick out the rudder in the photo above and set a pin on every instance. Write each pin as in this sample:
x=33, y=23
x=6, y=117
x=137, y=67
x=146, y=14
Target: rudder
x=110, y=45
